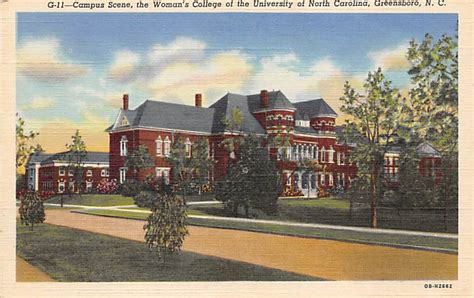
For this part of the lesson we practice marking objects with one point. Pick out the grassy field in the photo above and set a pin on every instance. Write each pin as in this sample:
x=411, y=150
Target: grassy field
x=336, y=212
x=394, y=240
x=77, y=256
x=93, y=200
x=321, y=203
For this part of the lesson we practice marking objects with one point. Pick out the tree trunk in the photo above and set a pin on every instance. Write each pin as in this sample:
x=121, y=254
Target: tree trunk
x=246, y=210
x=373, y=197
x=62, y=200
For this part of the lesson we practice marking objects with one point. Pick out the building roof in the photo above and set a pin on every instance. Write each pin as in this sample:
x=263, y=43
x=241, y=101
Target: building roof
x=92, y=157
x=159, y=114
x=38, y=157
x=172, y=116
x=276, y=100
x=223, y=108
x=313, y=108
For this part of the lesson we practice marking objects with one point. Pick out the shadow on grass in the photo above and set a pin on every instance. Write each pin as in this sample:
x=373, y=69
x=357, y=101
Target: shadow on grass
x=77, y=256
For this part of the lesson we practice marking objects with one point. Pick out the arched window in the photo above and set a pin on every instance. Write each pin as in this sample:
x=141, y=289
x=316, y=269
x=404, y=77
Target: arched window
x=159, y=146
x=123, y=146
x=167, y=147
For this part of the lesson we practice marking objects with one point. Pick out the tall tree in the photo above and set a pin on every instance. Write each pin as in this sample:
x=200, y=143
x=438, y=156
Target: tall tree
x=253, y=180
x=201, y=163
x=76, y=158
x=139, y=159
x=23, y=143
x=373, y=127
x=434, y=105
x=181, y=165
x=234, y=126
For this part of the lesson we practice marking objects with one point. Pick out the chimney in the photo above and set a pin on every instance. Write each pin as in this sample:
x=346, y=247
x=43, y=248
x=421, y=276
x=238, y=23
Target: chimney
x=198, y=100
x=264, y=101
x=125, y=102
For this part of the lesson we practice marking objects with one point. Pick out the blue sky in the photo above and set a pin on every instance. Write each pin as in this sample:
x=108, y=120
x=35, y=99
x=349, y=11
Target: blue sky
x=73, y=68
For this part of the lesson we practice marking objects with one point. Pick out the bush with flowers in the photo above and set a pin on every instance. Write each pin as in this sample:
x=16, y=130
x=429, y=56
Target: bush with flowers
x=107, y=187
x=288, y=191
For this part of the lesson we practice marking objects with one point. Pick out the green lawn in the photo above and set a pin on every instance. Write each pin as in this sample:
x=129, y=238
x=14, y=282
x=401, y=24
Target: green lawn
x=93, y=200
x=76, y=256
x=364, y=237
x=321, y=203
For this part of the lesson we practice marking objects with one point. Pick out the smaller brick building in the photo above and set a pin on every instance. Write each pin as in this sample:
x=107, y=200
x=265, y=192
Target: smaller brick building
x=50, y=172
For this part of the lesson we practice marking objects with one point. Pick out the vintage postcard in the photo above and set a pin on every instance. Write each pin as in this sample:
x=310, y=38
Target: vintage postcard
x=236, y=148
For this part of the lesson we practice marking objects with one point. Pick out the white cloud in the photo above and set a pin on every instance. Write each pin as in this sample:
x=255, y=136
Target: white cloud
x=43, y=60
x=178, y=70
x=125, y=66
x=38, y=103
x=391, y=59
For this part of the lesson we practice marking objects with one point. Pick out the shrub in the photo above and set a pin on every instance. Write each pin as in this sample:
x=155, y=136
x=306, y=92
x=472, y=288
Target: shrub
x=31, y=208
x=107, y=187
x=166, y=225
x=337, y=191
x=131, y=188
x=145, y=199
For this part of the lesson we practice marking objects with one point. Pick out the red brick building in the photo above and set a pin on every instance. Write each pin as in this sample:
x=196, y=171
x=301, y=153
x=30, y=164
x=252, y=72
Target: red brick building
x=50, y=172
x=311, y=126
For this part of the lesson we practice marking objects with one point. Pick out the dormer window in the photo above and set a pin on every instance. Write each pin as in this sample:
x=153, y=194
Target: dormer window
x=159, y=146
x=123, y=146
x=124, y=121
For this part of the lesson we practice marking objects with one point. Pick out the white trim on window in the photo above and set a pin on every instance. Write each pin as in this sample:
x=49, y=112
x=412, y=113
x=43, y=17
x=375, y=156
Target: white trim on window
x=167, y=147
x=89, y=173
x=187, y=147
x=159, y=146
x=122, y=174
x=123, y=146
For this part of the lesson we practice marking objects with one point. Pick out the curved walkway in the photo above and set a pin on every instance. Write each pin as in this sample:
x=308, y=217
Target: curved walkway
x=25, y=272
x=277, y=222
x=327, y=259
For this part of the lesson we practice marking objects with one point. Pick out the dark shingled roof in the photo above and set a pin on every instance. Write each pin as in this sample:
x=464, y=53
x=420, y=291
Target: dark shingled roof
x=92, y=157
x=167, y=115
x=38, y=157
x=172, y=116
x=313, y=108
x=276, y=100
x=223, y=108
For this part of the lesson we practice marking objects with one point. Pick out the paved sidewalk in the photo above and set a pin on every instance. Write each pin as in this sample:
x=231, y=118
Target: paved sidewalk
x=327, y=259
x=283, y=223
x=25, y=272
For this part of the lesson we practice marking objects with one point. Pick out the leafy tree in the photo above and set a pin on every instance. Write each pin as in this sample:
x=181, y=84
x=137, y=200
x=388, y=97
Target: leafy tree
x=373, y=127
x=433, y=103
x=166, y=226
x=253, y=180
x=201, y=163
x=23, y=146
x=31, y=208
x=76, y=158
x=139, y=159
x=181, y=164
x=234, y=126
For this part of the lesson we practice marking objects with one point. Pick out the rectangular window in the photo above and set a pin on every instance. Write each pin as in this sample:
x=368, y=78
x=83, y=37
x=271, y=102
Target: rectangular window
x=123, y=175
x=323, y=179
x=104, y=173
x=62, y=172
x=88, y=186
x=89, y=173
x=167, y=148
x=331, y=180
